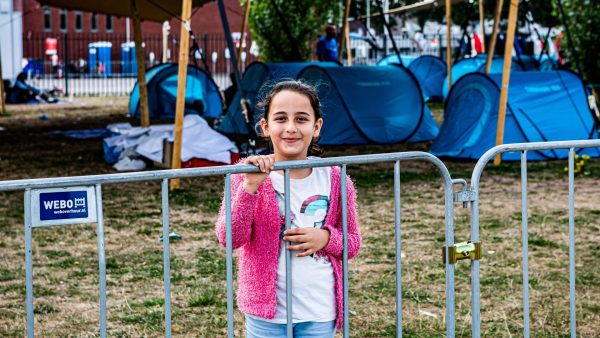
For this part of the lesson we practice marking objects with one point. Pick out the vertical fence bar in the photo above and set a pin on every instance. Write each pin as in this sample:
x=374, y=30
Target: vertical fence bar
x=66, y=64
x=525, y=243
x=288, y=256
x=449, y=234
x=398, y=250
x=101, y=260
x=475, y=292
x=166, y=256
x=229, y=258
x=28, y=264
x=572, y=241
x=345, y=256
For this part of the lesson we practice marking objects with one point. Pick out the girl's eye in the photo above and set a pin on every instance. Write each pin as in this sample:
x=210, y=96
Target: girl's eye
x=280, y=118
x=302, y=119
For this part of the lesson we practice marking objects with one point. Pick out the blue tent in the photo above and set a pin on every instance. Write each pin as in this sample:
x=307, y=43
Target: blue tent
x=201, y=93
x=365, y=104
x=430, y=71
x=392, y=59
x=476, y=64
x=542, y=106
x=256, y=75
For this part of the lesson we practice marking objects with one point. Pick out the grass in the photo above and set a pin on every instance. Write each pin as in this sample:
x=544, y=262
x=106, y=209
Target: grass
x=66, y=258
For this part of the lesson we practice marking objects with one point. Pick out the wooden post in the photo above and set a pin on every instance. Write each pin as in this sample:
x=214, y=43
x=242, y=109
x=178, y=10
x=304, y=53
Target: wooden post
x=482, y=24
x=165, y=40
x=348, y=49
x=243, y=33
x=184, y=42
x=492, y=46
x=342, y=35
x=141, y=69
x=508, y=48
x=449, y=42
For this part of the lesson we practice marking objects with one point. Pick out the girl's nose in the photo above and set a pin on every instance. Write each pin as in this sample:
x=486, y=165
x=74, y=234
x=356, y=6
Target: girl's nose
x=291, y=127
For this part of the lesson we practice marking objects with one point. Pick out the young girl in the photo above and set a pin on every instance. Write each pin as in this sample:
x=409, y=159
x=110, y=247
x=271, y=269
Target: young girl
x=292, y=122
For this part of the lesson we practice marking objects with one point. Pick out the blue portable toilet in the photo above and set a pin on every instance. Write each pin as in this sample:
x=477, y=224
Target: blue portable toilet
x=364, y=104
x=100, y=58
x=256, y=75
x=477, y=64
x=430, y=71
x=202, y=95
x=542, y=106
x=128, y=59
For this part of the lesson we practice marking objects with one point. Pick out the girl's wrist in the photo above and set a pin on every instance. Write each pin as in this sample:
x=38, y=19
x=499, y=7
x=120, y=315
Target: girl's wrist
x=250, y=187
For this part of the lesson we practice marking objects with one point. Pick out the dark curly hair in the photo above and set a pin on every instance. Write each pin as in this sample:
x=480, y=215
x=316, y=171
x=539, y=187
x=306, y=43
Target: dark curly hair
x=301, y=88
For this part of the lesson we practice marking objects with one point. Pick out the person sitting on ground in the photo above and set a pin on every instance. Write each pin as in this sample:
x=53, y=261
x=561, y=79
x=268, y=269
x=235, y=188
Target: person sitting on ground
x=22, y=92
x=327, y=49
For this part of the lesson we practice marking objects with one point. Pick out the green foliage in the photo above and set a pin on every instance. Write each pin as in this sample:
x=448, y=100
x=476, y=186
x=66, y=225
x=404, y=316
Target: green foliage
x=286, y=30
x=583, y=18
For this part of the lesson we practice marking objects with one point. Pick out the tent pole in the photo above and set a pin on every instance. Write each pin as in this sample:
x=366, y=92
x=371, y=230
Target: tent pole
x=243, y=33
x=449, y=42
x=482, y=24
x=492, y=46
x=508, y=48
x=141, y=69
x=343, y=32
x=184, y=44
x=227, y=32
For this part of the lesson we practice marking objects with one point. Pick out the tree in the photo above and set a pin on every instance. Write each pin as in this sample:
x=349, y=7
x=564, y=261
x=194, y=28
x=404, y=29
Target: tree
x=285, y=30
x=583, y=19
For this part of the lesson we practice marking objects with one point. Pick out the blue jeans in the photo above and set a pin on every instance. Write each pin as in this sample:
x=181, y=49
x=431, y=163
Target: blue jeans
x=260, y=329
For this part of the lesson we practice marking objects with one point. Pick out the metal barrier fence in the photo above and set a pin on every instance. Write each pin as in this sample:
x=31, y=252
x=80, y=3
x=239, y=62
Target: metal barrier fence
x=90, y=188
x=523, y=148
x=105, y=63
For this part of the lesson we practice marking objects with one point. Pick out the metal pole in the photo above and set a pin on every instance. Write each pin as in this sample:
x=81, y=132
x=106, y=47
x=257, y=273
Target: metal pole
x=572, y=242
x=398, y=249
x=525, y=243
x=288, y=255
x=229, y=255
x=28, y=265
x=166, y=257
x=101, y=260
x=66, y=64
x=345, y=252
x=508, y=47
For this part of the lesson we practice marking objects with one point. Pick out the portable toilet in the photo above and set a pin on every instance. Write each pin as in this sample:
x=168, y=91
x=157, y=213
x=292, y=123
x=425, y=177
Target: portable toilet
x=100, y=58
x=128, y=59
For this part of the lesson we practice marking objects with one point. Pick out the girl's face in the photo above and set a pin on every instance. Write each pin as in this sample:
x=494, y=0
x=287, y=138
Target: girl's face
x=291, y=125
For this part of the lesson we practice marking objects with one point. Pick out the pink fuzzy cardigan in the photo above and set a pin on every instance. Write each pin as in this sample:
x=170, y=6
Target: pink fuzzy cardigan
x=255, y=230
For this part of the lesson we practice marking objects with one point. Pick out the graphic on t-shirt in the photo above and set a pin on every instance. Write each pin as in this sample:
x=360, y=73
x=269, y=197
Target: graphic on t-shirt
x=316, y=206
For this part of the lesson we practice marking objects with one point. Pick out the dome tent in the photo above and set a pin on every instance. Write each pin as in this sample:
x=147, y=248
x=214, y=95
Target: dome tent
x=255, y=76
x=202, y=95
x=430, y=71
x=363, y=104
x=541, y=106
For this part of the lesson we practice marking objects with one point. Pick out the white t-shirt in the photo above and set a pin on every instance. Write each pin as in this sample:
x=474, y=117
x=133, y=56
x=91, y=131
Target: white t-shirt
x=313, y=295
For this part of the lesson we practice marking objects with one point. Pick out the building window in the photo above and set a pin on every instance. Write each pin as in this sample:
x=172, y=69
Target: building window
x=109, y=23
x=47, y=19
x=63, y=20
x=94, y=22
x=78, y=21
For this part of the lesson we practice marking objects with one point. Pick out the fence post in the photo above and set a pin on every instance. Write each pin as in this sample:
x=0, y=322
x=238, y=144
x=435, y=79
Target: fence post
x=66, y=65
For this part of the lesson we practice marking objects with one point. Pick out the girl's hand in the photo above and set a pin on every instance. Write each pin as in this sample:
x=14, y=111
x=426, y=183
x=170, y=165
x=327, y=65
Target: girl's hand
x=311, y=240
x=253, y=180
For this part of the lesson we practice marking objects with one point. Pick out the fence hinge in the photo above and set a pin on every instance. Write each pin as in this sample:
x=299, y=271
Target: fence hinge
x=464, y=250
x=465, y=196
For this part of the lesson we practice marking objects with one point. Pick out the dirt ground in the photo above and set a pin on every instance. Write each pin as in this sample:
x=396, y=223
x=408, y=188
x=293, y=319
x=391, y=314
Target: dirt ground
x=66, y=263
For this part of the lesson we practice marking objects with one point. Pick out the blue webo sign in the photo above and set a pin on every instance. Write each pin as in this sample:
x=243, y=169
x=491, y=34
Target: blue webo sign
x=63, y=206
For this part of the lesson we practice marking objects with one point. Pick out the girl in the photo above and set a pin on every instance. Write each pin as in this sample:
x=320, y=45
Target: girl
x=292, y=123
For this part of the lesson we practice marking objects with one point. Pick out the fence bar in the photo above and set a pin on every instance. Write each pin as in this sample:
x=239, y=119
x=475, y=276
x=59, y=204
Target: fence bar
x=449, y=220
x=398, y=249
x=101, y=260
x=345, y=255
x=288, y=255
x=166, y=256
x=229, y=253
x=525, y=243
x=28, y=264
x=572, y=241
x=475, y=292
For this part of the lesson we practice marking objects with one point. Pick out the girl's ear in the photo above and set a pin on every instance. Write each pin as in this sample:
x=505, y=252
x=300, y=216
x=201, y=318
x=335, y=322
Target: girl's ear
x=265, y=127
x=318, y=125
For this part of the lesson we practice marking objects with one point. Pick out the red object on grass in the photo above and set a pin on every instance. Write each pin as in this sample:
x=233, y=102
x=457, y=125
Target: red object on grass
x=200, y=162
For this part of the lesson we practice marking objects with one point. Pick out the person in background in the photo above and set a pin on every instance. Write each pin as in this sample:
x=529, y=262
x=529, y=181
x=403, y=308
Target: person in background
x=327, y=49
